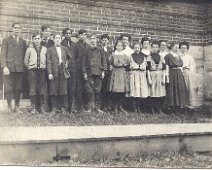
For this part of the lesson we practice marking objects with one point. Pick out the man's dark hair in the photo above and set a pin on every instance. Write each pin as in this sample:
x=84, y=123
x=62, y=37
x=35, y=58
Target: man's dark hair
x=15, y=23
x=44, y=27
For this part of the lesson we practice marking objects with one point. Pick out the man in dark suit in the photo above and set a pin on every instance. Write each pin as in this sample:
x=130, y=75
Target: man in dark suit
x=81, y=48
x=66, y=42
x=47, y=42
x=105, y=95
x=12, y=62
x=94, y=66
x=57, y=57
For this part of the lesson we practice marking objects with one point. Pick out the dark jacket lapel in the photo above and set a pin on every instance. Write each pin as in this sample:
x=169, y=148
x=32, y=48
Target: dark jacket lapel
x=12, y=40
x=55, y=51
x=63, y=54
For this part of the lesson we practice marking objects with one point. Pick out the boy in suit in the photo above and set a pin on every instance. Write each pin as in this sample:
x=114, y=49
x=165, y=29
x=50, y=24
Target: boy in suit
x=35, y=62
x=12, y=62
x=105, y=95
x=81, y=47
x=47, y=42
x=66, y=42
x=94, y=66
x=57, y=58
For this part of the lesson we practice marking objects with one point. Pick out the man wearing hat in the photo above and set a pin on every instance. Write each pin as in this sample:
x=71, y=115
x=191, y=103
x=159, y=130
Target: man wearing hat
x=81, y=47
x=71, y=86
x=105, y=96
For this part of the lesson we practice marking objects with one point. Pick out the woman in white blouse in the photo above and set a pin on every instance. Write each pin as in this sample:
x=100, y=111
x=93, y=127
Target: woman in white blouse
x=189, y=67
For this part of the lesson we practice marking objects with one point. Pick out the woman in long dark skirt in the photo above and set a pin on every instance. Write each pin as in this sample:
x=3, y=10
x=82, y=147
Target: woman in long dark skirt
x=177, y=94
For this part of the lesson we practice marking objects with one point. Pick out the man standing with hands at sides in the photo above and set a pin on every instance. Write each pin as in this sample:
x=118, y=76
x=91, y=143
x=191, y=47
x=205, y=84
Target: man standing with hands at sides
x=47, y=42
x=105, y=96
x=71, y=86
x=94, y=66
x=81, y=47
x=12, y=62
x=57, y=57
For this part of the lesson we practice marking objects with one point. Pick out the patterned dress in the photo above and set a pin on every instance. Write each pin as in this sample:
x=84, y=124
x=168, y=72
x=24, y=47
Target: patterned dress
x=177, y=94
x=118, y=79
x=157, y=75
x=137, y=74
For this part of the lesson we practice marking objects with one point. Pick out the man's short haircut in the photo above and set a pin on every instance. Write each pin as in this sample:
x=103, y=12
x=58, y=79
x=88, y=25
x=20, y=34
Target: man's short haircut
x=103, y=36
x=35, y=35
x=82, y=31
x=44, y=27
x=15, y=23
x=66, y=29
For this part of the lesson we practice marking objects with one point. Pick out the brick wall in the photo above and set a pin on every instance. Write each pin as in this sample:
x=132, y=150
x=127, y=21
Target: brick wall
x=159, y=19
x=208, y=27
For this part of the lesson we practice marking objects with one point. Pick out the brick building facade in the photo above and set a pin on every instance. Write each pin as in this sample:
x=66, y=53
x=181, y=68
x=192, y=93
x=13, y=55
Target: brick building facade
x=160, y=19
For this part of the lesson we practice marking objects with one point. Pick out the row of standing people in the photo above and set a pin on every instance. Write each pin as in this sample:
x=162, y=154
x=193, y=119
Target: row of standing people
x=79, y=70
x=151, y=78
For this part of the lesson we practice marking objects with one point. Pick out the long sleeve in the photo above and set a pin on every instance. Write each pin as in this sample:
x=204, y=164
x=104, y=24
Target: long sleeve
x=111, y=59
x=49, y=61
x=4, y=53
x=69, y=56
x=84, y=62
x=25, y=46
x=103, y=60
x=26, y=58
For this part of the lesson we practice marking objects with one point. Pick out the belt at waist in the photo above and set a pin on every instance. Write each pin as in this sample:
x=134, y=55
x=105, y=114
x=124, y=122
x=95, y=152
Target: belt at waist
x=175, y=68
x=156, y=70
x=137, y=69
x=118, y=66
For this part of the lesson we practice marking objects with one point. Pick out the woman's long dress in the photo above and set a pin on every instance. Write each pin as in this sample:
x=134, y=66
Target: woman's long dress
x=177, y=94
x=137, y=74
x=189, y=66
x=119, y=82
x=157, y=75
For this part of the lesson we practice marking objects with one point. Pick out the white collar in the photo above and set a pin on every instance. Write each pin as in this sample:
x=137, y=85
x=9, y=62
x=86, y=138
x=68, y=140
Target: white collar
x=146, y=51
x=119, y=52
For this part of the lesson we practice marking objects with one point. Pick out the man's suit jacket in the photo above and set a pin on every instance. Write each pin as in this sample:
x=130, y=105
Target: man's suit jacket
x=81, y=49
x=12, y=54
x=47, y=43
x=72, y=49
x=53, y=61
x=94, y=61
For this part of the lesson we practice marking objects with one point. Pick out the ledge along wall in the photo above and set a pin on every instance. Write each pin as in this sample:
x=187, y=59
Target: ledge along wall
x=169, y=20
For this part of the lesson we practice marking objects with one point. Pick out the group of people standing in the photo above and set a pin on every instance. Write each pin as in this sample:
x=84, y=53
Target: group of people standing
x=94, y=76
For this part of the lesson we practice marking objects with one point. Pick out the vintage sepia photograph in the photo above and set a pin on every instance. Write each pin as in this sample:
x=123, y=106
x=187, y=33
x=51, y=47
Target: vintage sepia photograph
x=106, y=83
